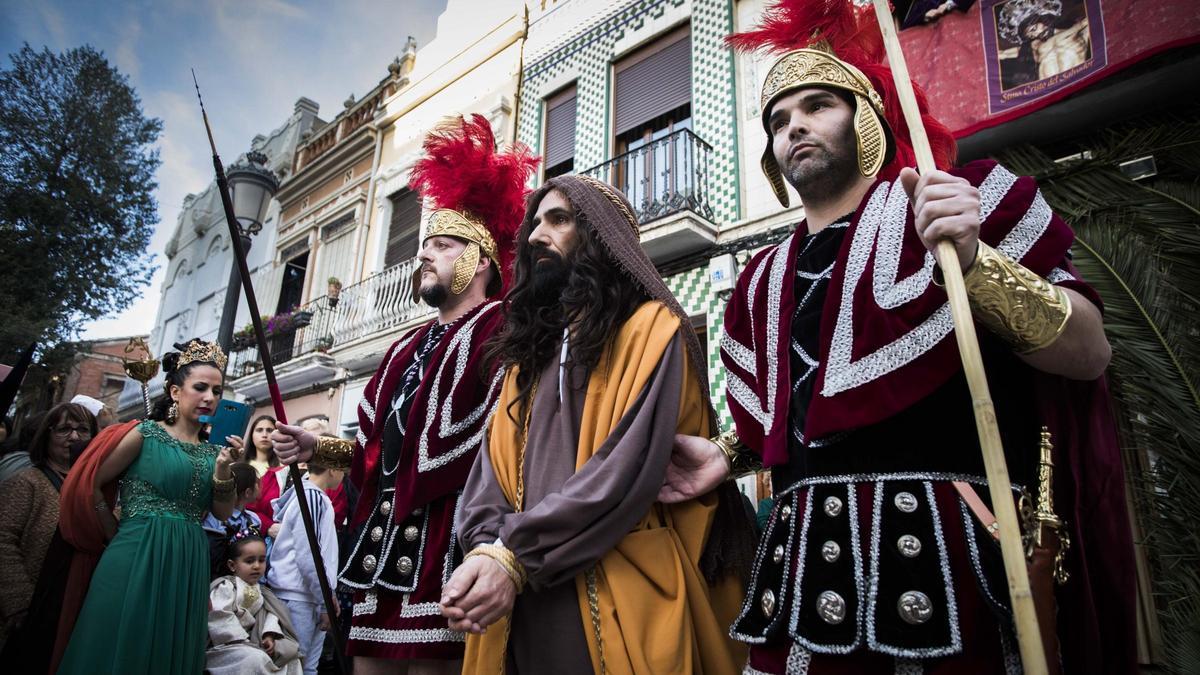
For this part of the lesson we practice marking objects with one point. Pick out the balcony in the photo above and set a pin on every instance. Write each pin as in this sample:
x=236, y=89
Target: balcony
x=380, y=305
x=666, y=180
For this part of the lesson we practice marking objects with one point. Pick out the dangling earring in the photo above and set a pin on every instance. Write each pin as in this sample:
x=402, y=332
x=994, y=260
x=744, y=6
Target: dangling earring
x=173, y=412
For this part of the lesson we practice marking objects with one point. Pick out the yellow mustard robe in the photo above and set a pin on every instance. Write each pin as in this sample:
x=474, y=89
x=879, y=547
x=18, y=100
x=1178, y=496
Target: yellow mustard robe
x=655, y=612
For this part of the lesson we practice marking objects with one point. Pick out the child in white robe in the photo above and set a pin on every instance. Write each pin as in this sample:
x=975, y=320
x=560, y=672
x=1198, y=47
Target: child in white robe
x=249, y=629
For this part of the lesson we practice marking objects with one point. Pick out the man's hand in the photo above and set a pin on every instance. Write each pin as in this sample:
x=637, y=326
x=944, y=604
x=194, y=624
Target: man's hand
x=323, y=622
x=946, y=207
x=293, y=444
x=478, y=594
x=697, y=467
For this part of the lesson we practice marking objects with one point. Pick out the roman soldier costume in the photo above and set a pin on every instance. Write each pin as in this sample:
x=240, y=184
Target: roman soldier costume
x=844, y=379
x=424, y=412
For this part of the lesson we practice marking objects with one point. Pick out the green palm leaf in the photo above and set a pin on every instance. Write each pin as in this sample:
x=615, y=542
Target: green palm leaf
x=1138, y=244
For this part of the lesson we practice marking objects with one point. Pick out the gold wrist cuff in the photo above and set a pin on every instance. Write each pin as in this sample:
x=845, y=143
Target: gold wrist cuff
x=223, y=488
x=506, y=559
x=742, y=462
x=1023, y=309
x=333, y=453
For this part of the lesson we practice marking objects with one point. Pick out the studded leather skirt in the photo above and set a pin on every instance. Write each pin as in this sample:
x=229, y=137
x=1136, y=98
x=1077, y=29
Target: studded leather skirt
x=397, y=568
x=877, y=573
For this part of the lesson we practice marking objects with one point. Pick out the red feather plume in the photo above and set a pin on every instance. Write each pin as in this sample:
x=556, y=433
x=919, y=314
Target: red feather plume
x=850, y=32
x=462, y=170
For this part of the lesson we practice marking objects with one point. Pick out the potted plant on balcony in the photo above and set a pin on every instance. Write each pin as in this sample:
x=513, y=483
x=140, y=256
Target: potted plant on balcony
x=244, y=338
x=335, y=290
x=324, y=344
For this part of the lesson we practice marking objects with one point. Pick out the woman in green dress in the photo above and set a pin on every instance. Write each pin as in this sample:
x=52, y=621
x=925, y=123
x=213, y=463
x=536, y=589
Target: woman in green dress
x=147, y=604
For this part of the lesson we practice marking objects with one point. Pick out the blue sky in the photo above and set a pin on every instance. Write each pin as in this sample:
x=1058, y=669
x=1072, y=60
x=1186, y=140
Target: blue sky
x=254, y=58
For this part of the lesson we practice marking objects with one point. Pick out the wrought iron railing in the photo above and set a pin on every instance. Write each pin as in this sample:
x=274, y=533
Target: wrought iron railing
x=665, y=176
x=378, y=303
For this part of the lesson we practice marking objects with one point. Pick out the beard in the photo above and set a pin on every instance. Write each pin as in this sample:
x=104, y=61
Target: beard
x=829, y=169
x=550, y=275
x=434, y=294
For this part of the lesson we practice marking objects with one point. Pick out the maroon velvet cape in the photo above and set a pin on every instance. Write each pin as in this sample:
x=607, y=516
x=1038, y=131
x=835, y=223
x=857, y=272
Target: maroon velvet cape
x=447, y=419
x=887, y=342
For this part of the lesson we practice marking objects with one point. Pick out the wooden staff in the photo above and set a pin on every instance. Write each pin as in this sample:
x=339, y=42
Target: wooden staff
x=264, y=353
x=1033, y=657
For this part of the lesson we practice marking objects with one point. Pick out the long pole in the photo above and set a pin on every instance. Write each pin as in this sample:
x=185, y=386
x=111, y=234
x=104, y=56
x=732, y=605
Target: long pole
x=239, y=255
x=1033, y=658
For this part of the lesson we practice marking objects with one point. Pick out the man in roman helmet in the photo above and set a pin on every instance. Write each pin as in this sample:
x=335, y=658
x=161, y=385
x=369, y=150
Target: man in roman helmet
x=844, y=380
x=424, y=412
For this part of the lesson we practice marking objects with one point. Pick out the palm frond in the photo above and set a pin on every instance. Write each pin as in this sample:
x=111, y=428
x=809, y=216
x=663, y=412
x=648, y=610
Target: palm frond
x=1138, y=244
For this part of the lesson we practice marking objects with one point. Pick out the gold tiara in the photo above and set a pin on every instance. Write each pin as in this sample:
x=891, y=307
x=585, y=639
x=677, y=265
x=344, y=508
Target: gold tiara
x=203, y=352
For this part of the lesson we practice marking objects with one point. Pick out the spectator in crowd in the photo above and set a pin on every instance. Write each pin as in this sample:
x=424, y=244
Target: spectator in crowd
x=292, y=573
x=29, y=507
x=104, y=415
x=246, y=484
x=319, y=425
x=5, y=430
x=249, y=629
x=16, y=451
x=261, y=453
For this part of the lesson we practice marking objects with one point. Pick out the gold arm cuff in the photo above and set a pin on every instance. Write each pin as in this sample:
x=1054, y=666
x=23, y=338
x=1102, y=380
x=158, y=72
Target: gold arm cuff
x=333, y=453
x=506, y=559
x=742, y=462
x=1023, y=309
x=223, y=488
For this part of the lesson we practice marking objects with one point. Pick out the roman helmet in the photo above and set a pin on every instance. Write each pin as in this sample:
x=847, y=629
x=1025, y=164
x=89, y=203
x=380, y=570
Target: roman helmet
x=836, y=44
x=477, y=195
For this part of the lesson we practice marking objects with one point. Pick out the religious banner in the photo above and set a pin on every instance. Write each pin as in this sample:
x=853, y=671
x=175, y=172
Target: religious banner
x=1034, y=48
x=1001, y=59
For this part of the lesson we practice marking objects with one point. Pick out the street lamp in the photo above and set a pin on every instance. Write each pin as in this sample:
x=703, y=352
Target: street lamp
x=252, y=185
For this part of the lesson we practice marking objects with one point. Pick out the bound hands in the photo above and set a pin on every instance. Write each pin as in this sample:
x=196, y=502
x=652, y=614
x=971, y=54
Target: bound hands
x=697, y=467
x=293, y=444
x=478, y=594
x=945, y=207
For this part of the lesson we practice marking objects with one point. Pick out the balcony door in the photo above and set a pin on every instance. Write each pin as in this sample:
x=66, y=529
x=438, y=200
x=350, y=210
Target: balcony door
x=652, y=103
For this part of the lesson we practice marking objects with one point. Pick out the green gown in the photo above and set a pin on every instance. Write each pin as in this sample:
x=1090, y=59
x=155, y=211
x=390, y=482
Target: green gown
x=146, y=609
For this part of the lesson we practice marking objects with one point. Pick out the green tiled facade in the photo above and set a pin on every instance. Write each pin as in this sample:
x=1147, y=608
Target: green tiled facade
x=586, y=59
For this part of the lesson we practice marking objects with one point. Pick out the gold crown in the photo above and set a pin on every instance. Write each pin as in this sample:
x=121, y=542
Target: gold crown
x=203, y=352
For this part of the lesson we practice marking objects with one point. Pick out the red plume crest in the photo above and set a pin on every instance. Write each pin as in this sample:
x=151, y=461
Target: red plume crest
x=462, y=170
x=851, y=33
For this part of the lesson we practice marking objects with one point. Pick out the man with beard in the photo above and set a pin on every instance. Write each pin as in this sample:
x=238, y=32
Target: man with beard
x=571, y=566
x=843, y=378
x=424, y=412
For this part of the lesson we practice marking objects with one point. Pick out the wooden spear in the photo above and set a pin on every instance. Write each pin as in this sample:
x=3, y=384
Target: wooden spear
x=1033, y=657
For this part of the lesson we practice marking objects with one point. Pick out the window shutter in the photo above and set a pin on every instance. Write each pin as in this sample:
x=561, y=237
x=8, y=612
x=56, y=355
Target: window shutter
x=404, y=229
x=560, y=127
x=652, y=82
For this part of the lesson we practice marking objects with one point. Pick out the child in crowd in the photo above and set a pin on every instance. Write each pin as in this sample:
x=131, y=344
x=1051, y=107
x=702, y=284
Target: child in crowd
x=249, y=629
x=245, y=482
x=292, y=574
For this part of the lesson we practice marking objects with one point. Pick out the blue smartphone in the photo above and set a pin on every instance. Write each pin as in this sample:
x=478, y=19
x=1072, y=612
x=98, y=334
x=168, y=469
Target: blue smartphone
x=230, y=419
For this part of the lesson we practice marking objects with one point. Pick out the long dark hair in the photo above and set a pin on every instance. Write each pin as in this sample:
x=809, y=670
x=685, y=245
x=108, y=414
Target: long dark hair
x=174, y=374
x=596, y=299
x=251, y=449
x=38, y=448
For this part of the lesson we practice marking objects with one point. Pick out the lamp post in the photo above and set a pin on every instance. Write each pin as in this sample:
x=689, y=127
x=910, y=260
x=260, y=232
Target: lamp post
x=252, y=186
